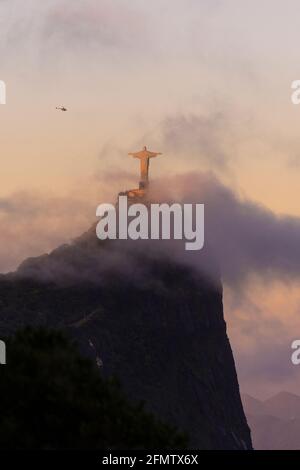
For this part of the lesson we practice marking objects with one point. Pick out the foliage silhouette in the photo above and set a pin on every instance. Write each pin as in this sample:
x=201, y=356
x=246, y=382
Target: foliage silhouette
x=53, y=398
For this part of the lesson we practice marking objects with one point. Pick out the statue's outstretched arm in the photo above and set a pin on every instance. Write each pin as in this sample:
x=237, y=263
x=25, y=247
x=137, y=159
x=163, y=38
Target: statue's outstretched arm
x=134, y=155
x=153, y=154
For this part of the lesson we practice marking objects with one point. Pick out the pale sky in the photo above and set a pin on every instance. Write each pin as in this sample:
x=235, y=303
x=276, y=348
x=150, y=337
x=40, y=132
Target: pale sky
x=206, y=82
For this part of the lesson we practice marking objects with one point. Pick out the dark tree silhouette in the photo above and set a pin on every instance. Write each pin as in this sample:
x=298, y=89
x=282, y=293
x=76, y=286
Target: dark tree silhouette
x=53, y=398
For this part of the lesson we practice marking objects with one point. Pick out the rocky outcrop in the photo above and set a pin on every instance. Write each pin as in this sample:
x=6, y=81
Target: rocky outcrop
x=153, y=322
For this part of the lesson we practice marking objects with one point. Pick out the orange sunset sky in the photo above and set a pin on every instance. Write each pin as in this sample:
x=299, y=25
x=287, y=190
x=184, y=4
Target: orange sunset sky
x=208, y=83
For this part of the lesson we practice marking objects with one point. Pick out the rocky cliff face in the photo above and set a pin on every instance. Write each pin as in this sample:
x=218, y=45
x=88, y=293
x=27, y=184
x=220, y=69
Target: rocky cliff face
x=153, y=322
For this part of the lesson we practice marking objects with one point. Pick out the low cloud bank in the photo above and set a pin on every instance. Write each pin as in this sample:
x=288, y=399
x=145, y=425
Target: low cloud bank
x=242, y=237
x=245, y=238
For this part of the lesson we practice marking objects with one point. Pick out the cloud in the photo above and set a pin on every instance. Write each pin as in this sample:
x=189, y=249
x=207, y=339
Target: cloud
x=34, y=223
x=202, y=137
x=245, y=237
x=55, y=30
x=256, y=250
x=88, y=22
x=263, y=320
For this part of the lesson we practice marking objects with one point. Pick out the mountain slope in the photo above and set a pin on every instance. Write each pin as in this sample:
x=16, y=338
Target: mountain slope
x=252, y=405
x=145, y=317
x=275, y=423
x=283, y=405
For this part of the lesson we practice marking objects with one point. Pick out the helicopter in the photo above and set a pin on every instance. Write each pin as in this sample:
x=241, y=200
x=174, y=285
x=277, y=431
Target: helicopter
x=61, y=108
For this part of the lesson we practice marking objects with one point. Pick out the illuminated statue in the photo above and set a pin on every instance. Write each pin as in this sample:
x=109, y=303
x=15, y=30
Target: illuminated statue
x=144, y=156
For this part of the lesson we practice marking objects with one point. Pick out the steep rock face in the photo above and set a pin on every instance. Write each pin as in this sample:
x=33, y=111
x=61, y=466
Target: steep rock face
x=154, y=323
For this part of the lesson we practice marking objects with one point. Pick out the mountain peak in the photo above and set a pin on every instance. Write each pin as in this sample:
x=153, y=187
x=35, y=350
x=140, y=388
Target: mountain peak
x=283, y=395
x=145, y=317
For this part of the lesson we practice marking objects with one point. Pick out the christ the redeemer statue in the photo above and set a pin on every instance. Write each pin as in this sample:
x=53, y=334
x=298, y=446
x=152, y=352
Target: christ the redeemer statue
x=144, y=156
